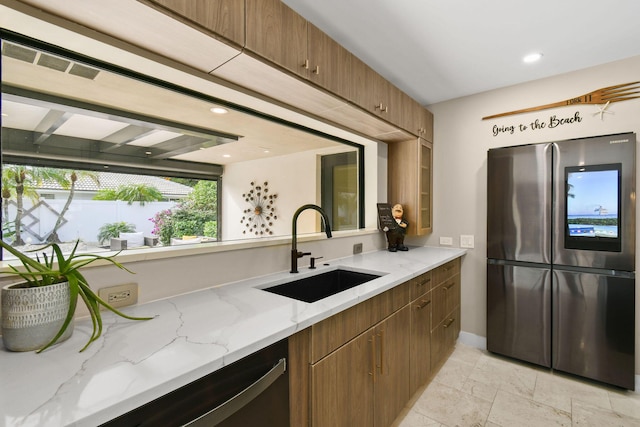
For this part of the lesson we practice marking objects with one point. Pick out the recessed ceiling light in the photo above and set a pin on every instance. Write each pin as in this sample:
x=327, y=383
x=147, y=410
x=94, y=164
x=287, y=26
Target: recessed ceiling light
x=226, y=155
x=532, y=57
x=219, y=110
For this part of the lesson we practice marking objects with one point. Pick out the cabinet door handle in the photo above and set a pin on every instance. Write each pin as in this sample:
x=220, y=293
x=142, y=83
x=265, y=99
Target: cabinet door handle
x=305, y=64
x=449, y=322
x=373, y=357
x=237, y=402
x=316, y=70
x=446, y=288
x=424, y=283
x=423, y=304
x=381, y=366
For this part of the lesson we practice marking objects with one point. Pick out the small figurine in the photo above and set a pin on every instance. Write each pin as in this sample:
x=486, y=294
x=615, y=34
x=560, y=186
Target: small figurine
x=395, y=235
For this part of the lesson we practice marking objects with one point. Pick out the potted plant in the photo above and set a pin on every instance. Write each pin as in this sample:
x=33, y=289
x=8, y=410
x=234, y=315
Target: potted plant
x=38, y=274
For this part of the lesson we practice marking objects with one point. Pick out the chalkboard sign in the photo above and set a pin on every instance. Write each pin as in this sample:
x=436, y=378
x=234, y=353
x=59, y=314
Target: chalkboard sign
x=385, y=217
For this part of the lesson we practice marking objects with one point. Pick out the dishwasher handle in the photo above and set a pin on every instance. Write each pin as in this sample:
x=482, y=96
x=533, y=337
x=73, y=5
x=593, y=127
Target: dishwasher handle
x=237, y=402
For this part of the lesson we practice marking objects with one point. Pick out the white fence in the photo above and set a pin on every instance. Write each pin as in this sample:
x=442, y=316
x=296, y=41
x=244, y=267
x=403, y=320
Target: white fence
x=84, y=218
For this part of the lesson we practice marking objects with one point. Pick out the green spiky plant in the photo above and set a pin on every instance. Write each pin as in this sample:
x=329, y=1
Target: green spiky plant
x=56, y=268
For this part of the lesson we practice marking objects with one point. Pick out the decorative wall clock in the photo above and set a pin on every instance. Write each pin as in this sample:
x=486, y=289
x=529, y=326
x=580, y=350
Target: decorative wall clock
x=606, y=95
x=259, y=217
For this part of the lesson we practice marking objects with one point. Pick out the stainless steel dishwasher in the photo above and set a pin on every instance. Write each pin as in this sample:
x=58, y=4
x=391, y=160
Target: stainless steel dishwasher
x=253, y=391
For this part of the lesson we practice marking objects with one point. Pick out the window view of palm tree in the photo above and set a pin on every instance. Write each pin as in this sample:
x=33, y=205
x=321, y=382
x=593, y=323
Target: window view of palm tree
x=42, y=205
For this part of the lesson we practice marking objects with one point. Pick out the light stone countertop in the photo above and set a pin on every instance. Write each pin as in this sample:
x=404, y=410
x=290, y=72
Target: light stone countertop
x=192, y=335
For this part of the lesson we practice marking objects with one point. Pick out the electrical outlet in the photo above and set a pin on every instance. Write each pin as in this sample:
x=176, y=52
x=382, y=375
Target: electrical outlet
x=466, y=241
x=446, y=241
x=357, y=248
x=120, y=295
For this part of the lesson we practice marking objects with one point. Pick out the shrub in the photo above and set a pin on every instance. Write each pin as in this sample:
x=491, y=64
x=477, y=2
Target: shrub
x=113, y=230
x=211, y=229
x=188, y=222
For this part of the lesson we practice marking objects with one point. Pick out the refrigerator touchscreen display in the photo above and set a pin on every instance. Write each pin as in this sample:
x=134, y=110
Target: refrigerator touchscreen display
x=592, y=220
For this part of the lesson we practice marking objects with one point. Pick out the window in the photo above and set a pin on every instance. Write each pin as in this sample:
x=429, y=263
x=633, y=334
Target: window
x=95, y=207
x=340, y=189
x=118, y=131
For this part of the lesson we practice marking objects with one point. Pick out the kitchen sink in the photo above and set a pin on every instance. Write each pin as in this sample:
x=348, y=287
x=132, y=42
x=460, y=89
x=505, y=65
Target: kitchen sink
x=319, y=286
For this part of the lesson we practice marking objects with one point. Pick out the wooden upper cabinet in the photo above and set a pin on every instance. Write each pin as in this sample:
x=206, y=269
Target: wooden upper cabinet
x=410, y=182
x=373, y=93
x=277, y=33
x=426, y=124
x=329, y=62
x=368, y=89
x=224, y=18
x=364, y=80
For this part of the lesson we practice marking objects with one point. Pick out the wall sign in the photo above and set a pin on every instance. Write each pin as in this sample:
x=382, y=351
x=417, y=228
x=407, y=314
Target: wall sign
x=553, y=122
x=605, y=96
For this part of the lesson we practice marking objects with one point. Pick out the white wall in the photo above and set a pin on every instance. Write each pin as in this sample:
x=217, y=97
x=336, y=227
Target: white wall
x=461, y=141
x=291, y=177
x=85, y=217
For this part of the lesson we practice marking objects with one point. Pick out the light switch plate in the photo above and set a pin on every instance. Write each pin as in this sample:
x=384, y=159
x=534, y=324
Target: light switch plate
x=466, y=241
x=446, y=241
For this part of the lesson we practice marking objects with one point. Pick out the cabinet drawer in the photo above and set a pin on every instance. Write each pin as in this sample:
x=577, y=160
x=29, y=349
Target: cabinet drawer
x=379, y=307
x=443, y=338
x=446, y=297
x=447, y=270
x=452, y=293
x=421, y=285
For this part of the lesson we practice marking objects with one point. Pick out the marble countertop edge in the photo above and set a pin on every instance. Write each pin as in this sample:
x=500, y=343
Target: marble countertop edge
x=192, y=336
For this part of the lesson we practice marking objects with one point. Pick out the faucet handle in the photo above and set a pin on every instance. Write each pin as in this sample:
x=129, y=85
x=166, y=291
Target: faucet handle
x=312, y=266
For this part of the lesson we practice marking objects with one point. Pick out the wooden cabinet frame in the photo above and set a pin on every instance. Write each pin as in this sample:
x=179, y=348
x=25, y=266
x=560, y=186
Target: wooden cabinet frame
x=410, y=182
x=361, y=366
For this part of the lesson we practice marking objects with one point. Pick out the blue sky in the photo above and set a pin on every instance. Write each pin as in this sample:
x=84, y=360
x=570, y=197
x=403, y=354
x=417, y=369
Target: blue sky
x=593, y=189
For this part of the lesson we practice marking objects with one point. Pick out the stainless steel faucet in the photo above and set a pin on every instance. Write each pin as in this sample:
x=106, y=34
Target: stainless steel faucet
x=294, y=230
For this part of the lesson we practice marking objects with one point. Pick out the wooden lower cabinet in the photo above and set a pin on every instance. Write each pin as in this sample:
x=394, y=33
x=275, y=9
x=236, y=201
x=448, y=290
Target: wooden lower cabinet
x=366, y=381
x=443, y=338
x=420, y=357
x=342, y=386
x=361, y=366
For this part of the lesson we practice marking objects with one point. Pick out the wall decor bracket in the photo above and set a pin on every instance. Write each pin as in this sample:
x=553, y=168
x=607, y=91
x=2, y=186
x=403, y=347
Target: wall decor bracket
x=608, y=95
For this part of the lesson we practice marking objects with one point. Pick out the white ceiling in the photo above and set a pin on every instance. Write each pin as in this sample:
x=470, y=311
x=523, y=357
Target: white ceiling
x=436, y=50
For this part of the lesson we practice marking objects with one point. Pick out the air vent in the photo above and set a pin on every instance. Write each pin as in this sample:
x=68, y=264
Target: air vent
x=45, y=60
x=18, y=52
x=83, y=71
x=53, y=62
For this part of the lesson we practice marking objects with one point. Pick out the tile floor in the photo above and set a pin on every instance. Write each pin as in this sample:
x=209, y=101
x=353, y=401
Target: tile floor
x=476, y=388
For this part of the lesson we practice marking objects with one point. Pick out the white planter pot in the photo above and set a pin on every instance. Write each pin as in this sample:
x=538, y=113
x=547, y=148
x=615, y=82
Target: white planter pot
x=31, y=317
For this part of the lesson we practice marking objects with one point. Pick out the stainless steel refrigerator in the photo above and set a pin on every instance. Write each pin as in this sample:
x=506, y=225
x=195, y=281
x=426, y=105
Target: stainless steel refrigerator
x=561, y=256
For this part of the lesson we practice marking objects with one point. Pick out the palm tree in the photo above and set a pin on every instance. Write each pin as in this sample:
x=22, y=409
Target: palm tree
x=7, y=192
x=138, y=193
x=130, y=193
x=20, y=181
x=106, y=194
x=69, y=184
